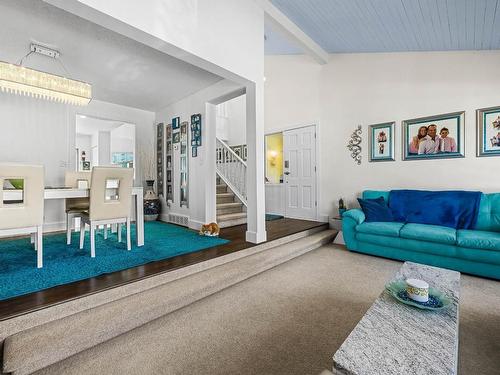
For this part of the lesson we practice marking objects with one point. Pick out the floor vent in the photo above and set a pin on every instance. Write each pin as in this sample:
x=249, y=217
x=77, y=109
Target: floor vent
x=178, y=219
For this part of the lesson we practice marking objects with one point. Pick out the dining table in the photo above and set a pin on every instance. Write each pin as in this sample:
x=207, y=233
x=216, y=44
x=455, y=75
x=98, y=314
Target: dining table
x=52, y=193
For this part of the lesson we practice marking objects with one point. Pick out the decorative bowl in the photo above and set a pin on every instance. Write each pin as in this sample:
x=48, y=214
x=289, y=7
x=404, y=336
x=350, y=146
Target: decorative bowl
x=437, y=299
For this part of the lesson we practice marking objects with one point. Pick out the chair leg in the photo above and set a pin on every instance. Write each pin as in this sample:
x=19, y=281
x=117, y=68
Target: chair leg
x=119, y=226
x=92, y=240
x=68, y=229
x=39, y=242
x=82, y=233
x=33, y=240
x=105, y=231
x=129, y=245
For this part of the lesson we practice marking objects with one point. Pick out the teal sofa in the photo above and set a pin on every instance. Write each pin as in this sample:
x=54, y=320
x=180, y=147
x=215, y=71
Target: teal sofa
x=475, y=251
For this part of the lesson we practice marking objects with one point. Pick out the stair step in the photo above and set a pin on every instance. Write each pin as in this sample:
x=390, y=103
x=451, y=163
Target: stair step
x=225, y=198
x=221, y=188
x=229, y=208
x=231, y=220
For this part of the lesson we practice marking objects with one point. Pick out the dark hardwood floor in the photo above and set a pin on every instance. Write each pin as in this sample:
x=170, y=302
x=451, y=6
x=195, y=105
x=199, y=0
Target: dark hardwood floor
x=59, y=294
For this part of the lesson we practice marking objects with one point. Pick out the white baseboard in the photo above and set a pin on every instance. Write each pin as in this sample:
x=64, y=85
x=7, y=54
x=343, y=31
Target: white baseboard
x=54, y=227
x=195, y=224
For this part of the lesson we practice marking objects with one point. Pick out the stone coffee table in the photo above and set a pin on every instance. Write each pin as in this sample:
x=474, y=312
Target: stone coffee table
x=394, y=338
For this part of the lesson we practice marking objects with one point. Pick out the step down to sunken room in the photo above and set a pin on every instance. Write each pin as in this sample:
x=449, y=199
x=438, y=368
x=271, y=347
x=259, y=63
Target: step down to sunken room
x=230, y=211
x=39, y=339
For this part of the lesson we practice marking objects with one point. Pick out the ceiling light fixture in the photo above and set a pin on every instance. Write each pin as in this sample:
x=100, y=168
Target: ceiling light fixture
x=18, y=79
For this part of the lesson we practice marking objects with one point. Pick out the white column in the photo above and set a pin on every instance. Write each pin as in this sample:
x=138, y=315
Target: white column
x=208, y=140
x=256, y=210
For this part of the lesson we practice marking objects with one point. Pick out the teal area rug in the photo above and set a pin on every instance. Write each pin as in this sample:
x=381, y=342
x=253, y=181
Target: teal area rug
x=64, y=264
x=271, y=217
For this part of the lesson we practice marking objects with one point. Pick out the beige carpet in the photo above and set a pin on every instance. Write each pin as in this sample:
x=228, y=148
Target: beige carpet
x=289, y=320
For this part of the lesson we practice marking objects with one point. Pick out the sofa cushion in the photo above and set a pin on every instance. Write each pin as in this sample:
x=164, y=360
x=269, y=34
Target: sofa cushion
x=478, y=239
x=374, y=194
x=376, y=210
x=488, y=217
x=430, y=233
x=381, y=229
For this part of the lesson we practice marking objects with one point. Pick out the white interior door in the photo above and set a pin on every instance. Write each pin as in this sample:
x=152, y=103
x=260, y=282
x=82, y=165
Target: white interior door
x=299, y=149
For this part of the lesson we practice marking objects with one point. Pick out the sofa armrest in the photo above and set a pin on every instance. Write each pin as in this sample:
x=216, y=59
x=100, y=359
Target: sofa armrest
x=355, y=214
x=350, y=219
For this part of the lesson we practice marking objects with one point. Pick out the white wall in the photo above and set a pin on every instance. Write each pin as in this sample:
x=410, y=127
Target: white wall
x=231, y=121
x=42, y=132
x=372, y=88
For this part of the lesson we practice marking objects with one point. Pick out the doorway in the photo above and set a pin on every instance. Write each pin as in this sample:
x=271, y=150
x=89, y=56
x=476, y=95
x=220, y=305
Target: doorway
x=101, y=142
x=299, y=166
x=291, y=173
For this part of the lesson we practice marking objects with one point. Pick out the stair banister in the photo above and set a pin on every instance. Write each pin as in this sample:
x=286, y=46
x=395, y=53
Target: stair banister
x=232, y=170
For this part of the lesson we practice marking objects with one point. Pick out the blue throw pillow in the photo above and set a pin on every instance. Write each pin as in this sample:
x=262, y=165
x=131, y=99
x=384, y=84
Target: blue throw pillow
x=376, y=210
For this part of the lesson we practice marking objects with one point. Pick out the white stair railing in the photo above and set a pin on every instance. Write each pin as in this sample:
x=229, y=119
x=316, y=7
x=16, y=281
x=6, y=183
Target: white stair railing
x=232, y=170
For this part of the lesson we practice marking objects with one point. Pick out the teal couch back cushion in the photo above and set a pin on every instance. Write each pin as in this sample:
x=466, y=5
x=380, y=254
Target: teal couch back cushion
x=374, y=194
x=489, y=213
x=489, y=210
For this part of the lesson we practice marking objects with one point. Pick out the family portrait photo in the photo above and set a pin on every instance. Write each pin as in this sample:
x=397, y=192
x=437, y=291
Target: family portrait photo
x=381, y=142
x=434, y=137
x=488, y=131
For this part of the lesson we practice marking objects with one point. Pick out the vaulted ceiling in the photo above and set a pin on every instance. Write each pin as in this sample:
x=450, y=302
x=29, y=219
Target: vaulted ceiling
x=343, y=26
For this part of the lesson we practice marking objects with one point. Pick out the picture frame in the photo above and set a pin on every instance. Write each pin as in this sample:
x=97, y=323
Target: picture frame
x=434, y=137
x=381, y=142
x=176, y=123
x=488, y=131
x=176, y=138
x=194, y=152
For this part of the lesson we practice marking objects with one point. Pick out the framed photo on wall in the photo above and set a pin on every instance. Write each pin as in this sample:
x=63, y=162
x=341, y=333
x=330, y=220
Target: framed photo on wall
x=488, y=131
x=434, y=137
x=381, y=138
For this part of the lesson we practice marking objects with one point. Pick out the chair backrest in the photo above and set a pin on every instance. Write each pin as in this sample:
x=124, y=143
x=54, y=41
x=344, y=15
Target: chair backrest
x=71, y=179
x=27, y=209
x=111, y=193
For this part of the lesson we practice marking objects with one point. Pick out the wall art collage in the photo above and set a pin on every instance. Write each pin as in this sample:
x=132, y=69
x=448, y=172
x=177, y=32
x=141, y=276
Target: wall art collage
x=436, y=137
x=170, y=138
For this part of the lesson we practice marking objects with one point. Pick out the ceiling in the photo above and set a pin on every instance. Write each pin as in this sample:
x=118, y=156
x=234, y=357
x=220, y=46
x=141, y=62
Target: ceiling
x=343, y=26
x=121, y=70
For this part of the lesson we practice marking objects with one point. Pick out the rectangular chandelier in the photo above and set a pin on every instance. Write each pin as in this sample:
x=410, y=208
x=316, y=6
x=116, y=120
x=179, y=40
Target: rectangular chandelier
x=25, y=81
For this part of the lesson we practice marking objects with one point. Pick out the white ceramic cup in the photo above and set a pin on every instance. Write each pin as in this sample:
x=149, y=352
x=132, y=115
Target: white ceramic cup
x=418, y=290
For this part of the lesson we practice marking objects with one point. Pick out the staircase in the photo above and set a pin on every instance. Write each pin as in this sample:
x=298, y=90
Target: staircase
x=231, y=186
x=230, y=210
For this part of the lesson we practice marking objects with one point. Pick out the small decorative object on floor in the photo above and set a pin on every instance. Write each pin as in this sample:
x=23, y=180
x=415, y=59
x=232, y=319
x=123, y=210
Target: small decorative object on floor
x=342, y=207
x=211, y=230
x=354, y=144
x=417, y=290
x=152, y=206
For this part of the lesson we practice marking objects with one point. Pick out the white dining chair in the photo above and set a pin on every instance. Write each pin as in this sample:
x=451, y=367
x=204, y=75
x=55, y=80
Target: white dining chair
x=24, y=214
x=75, y=207
x=110, y=203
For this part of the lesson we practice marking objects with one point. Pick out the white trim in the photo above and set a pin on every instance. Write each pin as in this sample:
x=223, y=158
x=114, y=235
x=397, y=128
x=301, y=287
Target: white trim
x=295, y=34
x=255, y=237
x=195, y=224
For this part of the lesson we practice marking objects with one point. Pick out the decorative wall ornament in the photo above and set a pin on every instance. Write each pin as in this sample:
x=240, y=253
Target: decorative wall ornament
x=354, y=144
